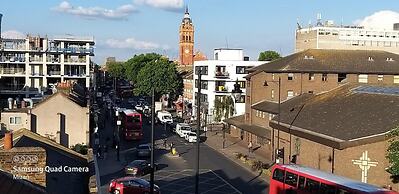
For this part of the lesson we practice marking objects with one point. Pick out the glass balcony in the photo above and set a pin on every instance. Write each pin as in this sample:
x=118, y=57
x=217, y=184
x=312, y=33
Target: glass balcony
x=12, y=71
x=75, y=60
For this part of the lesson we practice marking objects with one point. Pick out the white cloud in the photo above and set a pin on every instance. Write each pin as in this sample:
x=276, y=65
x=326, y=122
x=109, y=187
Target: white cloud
x=169, y=5
x=120, y=13
x=132, y=43
x=13, y=34
x=379, y=20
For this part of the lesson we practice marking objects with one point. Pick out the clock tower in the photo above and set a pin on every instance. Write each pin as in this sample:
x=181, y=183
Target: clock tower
x=186, y=44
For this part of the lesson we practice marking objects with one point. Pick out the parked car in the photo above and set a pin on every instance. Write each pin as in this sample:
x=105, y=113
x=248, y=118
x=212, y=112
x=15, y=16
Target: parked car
x=164, y=117
x=139, y=168
x=131, y=185
x=191, y=136
x=182, y=129
x=144, y=150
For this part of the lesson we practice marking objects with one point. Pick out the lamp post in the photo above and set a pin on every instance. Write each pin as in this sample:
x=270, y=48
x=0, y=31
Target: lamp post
x=279, y=118
x=198, y=131
x=118, y=123
x=152, y=141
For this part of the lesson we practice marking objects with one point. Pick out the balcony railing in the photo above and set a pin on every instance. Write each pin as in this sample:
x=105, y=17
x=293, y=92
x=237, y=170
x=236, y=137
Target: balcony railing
x=221, y=74
x=221, y=89
x=36, y=59
x=12, y=59
x=37, y=73
x=12, y=71
x=76, y=74
x=72, y=50
x=50, y=73
x=72, y=60
x=53, y=60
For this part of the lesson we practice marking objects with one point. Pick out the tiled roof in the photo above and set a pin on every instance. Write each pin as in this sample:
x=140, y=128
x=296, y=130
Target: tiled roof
x=341, y=117
x=334, y=61
x=10, y=185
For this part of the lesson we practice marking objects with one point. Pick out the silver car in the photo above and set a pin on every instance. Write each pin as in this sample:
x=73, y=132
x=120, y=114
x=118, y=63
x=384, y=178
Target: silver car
x=144, y=150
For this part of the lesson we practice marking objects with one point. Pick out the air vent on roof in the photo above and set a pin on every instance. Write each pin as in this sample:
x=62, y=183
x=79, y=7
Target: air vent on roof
x=371, y=59
x=390, y=59
x=308, y=57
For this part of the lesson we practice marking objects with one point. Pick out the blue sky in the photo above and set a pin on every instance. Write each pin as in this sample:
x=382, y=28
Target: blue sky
x=123, y=28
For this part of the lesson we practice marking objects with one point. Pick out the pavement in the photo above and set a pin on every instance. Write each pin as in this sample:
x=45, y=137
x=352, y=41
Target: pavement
x=233, y=146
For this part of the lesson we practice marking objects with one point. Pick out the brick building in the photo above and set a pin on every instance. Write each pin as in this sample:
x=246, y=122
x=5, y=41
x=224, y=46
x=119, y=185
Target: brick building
x=308, y=72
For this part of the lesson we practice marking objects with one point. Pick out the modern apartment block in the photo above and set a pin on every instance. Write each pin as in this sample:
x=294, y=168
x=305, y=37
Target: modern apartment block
x=220, y=75
x=37, y=62
x=330, y=36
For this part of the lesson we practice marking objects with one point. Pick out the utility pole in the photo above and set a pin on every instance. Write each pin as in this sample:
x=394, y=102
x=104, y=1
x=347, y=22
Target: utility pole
x=152, y=141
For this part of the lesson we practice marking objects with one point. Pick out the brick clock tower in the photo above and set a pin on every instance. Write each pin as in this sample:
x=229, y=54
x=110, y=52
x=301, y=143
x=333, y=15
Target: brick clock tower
x=186, y=44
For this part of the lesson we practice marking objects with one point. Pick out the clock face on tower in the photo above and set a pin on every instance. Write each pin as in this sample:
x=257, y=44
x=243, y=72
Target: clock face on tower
x=186, y=51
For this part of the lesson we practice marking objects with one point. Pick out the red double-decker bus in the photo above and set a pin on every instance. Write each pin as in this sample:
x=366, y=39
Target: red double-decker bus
x=132, y=125
x=296, y=179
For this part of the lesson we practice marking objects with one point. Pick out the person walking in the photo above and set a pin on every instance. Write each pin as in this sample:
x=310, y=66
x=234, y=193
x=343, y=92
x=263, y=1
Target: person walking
x=250, y=147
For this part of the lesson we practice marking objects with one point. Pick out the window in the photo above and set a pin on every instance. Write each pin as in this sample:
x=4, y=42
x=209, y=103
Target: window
x=341, y=77
x=260, y=140
x=204, y=85
x=396, y=79
x=241, y=70
x=327, y=189
x=324, y=77
x=301, y=182
x=291, y=179
x=216, y=56
x=290, y=94
x=204, y=70
x=312, y=185
x=380, y=78
x=241, y=99
x=272, y=94
x=257, y=113
x=311, y=76
x=15, y=120
x=272, y=76
x=278, y=175
x=264, y=115
x=362, y=78
x=242, y=84
x=290, y=76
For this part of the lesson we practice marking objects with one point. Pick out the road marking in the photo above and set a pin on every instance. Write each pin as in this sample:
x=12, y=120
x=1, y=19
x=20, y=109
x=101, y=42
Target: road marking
x=226, y=182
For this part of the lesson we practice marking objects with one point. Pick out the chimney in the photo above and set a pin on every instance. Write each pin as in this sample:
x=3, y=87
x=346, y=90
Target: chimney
x=8, y=142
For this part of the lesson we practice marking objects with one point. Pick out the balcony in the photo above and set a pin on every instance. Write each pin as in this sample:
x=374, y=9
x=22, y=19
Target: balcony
x=83, y=50
x=221, y=89
x=12, y=59
x=53, y=60
x=12, y=71
x=36, y=59
x=37, y=74
x=54, y=73
x=221, y=74
x=75, y=60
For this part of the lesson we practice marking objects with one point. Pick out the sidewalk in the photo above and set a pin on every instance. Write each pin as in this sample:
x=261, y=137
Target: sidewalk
x=232, y=147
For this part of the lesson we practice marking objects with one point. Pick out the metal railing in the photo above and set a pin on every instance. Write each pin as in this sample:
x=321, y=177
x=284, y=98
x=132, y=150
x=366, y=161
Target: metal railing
x=12, y=59
x=72, y=60
x=12, y=71
x=221, y=74
x=50, y=73
x=36, y=59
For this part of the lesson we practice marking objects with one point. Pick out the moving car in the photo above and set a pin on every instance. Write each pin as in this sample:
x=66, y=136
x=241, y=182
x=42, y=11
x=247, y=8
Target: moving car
x=191, y=136
x=182, y=129
x=144, y=150
x=131, y=185
x=164, y=117
x=139, y=168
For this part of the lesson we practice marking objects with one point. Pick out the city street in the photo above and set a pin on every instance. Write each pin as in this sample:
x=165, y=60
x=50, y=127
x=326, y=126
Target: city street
x=176, y=174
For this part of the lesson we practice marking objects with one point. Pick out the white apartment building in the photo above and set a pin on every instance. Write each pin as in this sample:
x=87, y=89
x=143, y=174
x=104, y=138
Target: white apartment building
x=37, y=62
x=219, y=76
x=329, y=36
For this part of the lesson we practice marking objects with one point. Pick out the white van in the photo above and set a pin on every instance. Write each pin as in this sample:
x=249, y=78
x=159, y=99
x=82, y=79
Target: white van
x=182, y=129
x=191, y=136
x=164, y=117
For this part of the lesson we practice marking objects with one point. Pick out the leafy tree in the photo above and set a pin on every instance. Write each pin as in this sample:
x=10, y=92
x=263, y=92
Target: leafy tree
x=160, y=74
x=393, y=154
x=136, y=63
x=224, y=108
x=82, y=149
x=268, y=56
x=116, y=69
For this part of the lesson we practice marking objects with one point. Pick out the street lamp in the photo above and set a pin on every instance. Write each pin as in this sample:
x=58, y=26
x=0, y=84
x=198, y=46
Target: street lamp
x=279, y=118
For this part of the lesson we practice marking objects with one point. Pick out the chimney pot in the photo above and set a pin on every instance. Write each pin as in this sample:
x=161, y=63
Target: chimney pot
x=8, y=141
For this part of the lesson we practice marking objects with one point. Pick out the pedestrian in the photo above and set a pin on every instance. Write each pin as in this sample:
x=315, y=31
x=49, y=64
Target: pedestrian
x=99, y=152
x=250, y=147
x=164, y=142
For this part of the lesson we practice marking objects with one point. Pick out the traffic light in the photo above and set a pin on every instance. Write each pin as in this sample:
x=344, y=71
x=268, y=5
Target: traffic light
x=280, y=153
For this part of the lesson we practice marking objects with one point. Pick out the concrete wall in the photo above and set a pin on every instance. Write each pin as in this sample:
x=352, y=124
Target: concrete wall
x=62, y=120
x=25, y=120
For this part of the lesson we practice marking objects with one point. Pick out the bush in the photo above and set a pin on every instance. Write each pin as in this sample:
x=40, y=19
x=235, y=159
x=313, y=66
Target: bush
x=239, y=155
x=82, y=149
x=257, y=165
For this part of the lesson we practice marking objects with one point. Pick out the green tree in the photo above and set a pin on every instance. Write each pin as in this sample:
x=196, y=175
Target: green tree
x=160, y=74
x=116, y=69
x=268, y=56
x=82, y=149
x=136, y=63
x=393, y=154
x=224, y=108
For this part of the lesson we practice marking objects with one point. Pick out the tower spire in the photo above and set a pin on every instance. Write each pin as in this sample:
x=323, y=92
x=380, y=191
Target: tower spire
x=186, y=9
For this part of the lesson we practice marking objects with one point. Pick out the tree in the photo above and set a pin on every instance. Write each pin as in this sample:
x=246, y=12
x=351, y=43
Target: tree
x=82, y=149
x=116, y=69
x=268, y=56
x=160, y=74
x=224, y=108
x=393, y=154
x=136, y=63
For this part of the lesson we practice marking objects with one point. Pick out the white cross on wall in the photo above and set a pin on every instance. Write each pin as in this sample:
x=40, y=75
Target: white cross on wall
x=364, y=164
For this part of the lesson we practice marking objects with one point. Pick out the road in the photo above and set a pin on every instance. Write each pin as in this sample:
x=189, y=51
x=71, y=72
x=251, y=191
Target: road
x=218, y=173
